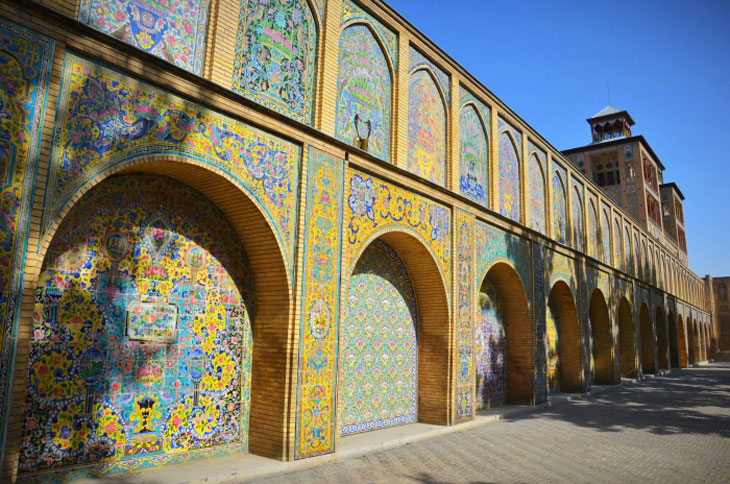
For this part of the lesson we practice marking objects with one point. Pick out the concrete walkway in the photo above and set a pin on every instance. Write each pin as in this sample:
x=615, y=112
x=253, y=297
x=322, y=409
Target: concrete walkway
x=670, y=428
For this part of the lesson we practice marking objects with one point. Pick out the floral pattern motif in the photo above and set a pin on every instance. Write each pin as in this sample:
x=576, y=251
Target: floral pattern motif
x=108, y=118
x=320, y=305
x=363, y=89
x=100, y=390
x=276, y=56
x=378, y=350
x=426, y=128
x=509, y=177
x=173, y=30
x=489, y=348
x=473, y=156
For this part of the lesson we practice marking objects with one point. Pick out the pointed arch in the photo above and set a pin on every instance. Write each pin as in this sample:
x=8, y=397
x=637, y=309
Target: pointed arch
x=536, y=184
x=364, y=87
x=594, y=241
x=606, y=239
x=509, y=176
x=672, y=327
x=473, y=154
x=618, y=246
x=560, y=218
x=426, y=126
x=276, y=61
x=577, y=225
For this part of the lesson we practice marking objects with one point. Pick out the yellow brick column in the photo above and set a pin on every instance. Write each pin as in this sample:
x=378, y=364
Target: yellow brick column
x=549, y=229
x=399, y=120
x=524, y=212
x=220, y=47
x=327, y=56
x=452, y=135
x=494, y=161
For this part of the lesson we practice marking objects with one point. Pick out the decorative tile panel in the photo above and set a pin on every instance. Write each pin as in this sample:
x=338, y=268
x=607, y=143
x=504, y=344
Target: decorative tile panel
x=560, y=218
x=363, y=90
x=375, y=204
x=494, y=244
x=173, y=379
x=353, y=13
x=276, y=50
x=419, y=60
x=320, y=307
x=509, y=175
x=576, y=209
x=465, y=316
x=25, y=59
x=106, y=118
x=473, y=155
x=173, y=30
x=592, y=233
x=489, y=349
x=426, y=128
x=606, y=252
x=536, y=190
x=378, y=348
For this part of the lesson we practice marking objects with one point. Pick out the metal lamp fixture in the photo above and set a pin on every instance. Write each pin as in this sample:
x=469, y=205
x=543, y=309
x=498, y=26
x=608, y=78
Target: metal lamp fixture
x=363, y=130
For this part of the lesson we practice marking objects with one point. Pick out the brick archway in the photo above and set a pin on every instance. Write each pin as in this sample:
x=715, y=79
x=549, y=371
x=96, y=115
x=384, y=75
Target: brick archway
x=602, y=339
x=672, y=327
x=648, y=340
x=561, y=306
x=273, y=358
x=684, y=358
x=434, y=380
x=662, y=341
x=627, y=340
x=519, y=334
x=695, y=354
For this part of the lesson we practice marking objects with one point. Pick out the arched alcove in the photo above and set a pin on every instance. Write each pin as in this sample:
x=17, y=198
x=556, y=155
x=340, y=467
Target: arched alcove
x=506, y=332
x=648, y=340
x=601, y=340
x=662, y=340
x=563, y=341
x=627, y=340
x=147, y=293
x=674, y=350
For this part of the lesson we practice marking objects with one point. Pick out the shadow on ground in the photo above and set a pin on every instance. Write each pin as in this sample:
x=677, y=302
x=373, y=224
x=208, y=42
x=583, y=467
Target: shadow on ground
x=691, y=401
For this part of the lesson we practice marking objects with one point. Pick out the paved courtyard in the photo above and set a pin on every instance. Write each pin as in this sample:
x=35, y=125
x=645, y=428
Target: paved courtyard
x=668, y=429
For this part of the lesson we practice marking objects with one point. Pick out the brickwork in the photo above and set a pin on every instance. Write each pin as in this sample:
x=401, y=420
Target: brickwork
x=270, y=142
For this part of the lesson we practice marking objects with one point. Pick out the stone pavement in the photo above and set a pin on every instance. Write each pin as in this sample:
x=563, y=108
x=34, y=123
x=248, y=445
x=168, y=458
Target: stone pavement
x=668, y=429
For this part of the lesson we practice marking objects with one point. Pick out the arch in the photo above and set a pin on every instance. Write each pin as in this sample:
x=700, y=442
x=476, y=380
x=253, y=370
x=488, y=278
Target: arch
x=606, y=252
x=674, y=350
x=628, y=258
x=432, y=328
x=601, y=340
x=509, y=176
x=563, y=341
x=627, y=340
x=577, y=220
x=560, y=220
x=364, y=87
x=648, y=341
x=508, y=340
x=618, y=244
x=594, y=241
x=473, y=154
x=637, y=258
x=426, y=126
x=536, y=184
x=696, y=356
x=662, y=339
x=157, y=244
x=276, y=62
x=272, y=319
x=684, y=358
x=378, y=344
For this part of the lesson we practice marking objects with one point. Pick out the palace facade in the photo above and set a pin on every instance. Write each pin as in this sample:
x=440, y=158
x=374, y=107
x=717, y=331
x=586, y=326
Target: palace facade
x=261, y=226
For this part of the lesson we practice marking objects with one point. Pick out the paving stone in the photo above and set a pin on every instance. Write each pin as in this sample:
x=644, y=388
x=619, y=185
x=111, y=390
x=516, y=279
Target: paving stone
x=668, y=429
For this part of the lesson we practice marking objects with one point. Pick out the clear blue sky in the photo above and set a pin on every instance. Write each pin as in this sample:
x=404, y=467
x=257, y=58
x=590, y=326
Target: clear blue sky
x=667, y=63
